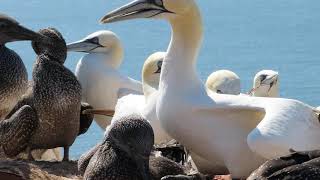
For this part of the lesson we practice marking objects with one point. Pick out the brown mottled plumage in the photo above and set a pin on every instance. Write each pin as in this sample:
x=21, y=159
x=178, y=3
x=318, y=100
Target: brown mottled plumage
x=124, y=153
x=85, y=119
x=297, y=166
x=17, y=131
x=13, y=73
x=55, y=95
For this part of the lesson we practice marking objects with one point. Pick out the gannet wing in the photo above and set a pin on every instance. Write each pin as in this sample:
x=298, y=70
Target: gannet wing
x=16, y=132
x=85, y=159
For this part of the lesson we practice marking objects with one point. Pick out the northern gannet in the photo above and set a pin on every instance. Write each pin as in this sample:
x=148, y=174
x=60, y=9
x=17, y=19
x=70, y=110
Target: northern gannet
x=55, y=97
x=266, y=84
x=144, y=105
x=224, y=82
x=127, y=158
x=98, y=72
x=298, y=165
x=239, y=131
x=124, y=152
x=13, y=73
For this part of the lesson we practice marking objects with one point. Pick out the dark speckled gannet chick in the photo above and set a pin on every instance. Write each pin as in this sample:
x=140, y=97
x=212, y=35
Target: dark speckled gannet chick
x=297, y=166
x=55, y=95
x=124, y=153
x=13, y=73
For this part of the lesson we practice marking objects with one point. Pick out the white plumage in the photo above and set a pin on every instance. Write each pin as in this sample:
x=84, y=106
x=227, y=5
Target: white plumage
x=98, y=72
x=238, y=131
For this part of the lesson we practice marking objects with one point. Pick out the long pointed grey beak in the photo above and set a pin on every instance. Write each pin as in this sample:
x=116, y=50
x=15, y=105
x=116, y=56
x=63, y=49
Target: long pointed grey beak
x=21, y=33
x=82, y=46
x=134, y=10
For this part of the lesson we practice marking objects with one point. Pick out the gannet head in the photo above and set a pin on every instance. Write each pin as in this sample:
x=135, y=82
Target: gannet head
x=151, y=72
x=134, y=136
x=51, y=44
x=10, y=31
x=224, y=82
x=266, y=84
x=163, y=9
x=100, y=42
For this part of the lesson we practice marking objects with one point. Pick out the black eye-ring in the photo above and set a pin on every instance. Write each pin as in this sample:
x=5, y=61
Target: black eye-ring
x=158, y=3
x=263, y=77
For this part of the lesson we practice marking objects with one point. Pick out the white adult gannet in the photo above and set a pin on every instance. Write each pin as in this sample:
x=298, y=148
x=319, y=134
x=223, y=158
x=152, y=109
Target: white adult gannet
x=266, y=84
x=224, y=82
x=143, y=105
x=98, y=72
x=216, y=126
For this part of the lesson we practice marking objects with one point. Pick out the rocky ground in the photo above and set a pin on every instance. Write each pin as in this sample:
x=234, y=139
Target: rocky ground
x=27, y=170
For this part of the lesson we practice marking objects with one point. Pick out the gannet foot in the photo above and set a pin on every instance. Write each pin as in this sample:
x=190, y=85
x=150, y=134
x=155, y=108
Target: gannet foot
x=29, y=152
x=66, y=153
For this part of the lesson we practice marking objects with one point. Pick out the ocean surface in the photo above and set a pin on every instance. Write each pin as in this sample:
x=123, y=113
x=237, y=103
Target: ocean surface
x=243, y=36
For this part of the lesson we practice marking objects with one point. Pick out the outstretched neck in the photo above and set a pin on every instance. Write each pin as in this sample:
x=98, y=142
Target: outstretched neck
x=179, y=67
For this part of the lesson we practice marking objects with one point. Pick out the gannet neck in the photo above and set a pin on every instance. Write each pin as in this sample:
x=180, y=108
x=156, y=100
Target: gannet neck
x=151, y=73
x=266, y=91
x=179, y=67
x=112, y=59
x=116, y=55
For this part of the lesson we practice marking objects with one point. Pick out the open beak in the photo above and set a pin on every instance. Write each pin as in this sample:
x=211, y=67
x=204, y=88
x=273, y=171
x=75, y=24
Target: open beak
x=83, y=46
x=21, y=33
x=134, y=10
x=104, y=112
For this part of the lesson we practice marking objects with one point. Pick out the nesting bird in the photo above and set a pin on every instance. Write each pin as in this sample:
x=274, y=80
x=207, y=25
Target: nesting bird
x=224, y=82
x=266, y=84
x=143, y=105
x=297, y=166
x=13, y=73
x=55, y=95
x=124, y=152
x=98, y=72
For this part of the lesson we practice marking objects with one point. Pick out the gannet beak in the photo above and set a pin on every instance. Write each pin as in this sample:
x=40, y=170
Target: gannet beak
x=104, y=112
x=85, y=45
x=20, y=33
x=134, y=10
x=270, y=80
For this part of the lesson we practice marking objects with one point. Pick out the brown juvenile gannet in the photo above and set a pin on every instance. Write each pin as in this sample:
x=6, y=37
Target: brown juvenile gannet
x=297, y=166
x=125, y=154
x=55, y=95
x=13, y=73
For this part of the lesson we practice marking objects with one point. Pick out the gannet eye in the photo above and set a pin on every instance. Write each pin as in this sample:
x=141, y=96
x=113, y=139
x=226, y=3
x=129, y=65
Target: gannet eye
x=159, y=64
x=219, y=91
x=263, y=77
x=158, y=2
x=94, y=40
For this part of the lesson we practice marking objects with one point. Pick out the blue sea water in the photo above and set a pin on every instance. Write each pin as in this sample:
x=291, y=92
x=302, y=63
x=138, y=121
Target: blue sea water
x=243, y=36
